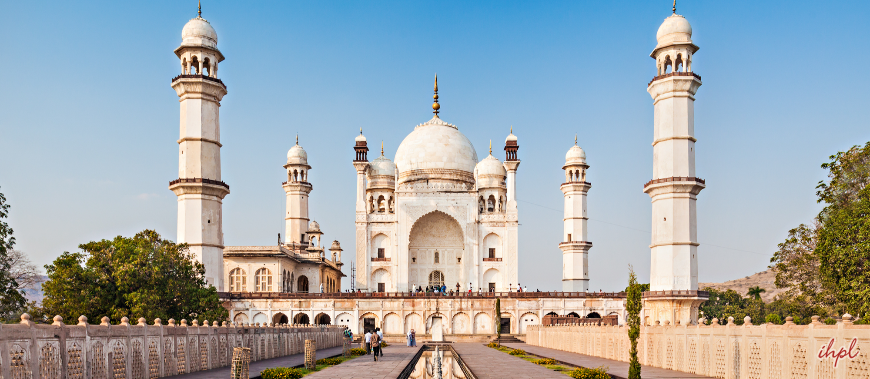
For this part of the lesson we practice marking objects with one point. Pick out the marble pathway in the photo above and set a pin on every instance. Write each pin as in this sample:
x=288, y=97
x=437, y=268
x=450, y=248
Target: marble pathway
x=395, y=358
x=488, y=363
x=615, y=368
x=258, y=366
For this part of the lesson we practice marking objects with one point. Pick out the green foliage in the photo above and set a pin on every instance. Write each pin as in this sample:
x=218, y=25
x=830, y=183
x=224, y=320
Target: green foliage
x=12, y=300
x=281, y=373
x=773, y=318
x=384, y=344
x=517, y=352
x=755, y=292
x=850, y=174
x=830, y=321
x=357, y=351
x=329, y=361
x=729, y=303
x=143, y=276
x=591, y=373
x=544, y=361
x=492, y=345
x=633, y=307
x=844, y=254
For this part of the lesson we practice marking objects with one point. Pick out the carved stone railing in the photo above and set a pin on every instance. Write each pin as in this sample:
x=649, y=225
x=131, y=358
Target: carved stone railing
x=677, y=73
x=764, y=351
x=492, y=259
x=380, y=259
x=674, y=179
x=205, y=77
x=199, y=180
x=91, y=351
x=408, y=295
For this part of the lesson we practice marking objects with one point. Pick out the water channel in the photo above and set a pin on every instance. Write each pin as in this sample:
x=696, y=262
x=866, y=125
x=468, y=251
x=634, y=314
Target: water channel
x=452, y=366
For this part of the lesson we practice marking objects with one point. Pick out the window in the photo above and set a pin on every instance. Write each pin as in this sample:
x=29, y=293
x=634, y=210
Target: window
x=436, y=278
x=437, y=260
x=492, y=252
x=382, y=287
x=491, y=287
x=381, y=253
x=237, y=280
x=302, y=285
x=569, y=237
x=263, y=279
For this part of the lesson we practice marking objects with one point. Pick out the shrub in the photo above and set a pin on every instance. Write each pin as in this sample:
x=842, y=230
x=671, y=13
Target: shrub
x=281, y=373
x=329, y=361
x=774, y=318
x=492, y=345
x=588, y=373
x=545, y=361
x=384, y=344
x=517, y=352
x=357, y=351
x=830, y=321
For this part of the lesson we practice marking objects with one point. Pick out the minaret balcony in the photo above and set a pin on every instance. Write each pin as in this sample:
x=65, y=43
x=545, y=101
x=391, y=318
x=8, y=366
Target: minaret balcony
x=673, y=74
x=205, y=77
x=492, y=259
x=676, y=294
x=199, y=186
x=380, y=259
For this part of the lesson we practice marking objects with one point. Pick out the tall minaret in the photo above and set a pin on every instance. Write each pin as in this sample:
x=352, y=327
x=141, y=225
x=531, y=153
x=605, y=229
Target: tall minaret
x=361, y=163
x=199, y=187
x=297, y=189
x=673, y=292
x=575, y=248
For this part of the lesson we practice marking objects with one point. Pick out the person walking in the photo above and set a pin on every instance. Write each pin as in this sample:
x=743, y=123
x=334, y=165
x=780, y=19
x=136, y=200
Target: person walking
x=376, y=345
x=321, y=287
x=413, y=338
x=380, y=338
x=368, y=339
x=408, y=339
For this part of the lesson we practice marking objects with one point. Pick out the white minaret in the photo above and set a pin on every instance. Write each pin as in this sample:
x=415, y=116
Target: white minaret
x=361, y=164
x=297, y=189
x=673, y=292
x=575, y=248
x=199, y=187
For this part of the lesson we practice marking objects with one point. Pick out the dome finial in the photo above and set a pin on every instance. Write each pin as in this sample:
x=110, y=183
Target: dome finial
x=575, y=140
x=297, y=138
x=675, y=7
x=360, y=131
x=382, y=148
x=512, y=129
x=199, y=11
x=490, y=147
x=435, y=105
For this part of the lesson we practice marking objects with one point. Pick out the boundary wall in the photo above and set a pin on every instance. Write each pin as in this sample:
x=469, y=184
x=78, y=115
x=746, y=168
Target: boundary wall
x=142, y=351
x=724, y=351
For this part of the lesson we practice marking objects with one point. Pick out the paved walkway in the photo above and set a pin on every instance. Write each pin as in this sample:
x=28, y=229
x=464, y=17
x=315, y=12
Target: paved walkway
x=257, y=367
x=615, y=368
x=488, y=363
x=395, y=359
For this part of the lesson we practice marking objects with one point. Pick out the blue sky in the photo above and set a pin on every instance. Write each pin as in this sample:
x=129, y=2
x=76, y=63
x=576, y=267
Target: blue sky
x=89, y=123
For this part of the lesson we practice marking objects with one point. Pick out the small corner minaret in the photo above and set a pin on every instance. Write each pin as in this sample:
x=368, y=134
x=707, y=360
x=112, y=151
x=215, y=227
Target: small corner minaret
x=297, y=189
x=575, y=248
x=673, y=292
x=199, y=187
x=361, y=164
x=511, y=163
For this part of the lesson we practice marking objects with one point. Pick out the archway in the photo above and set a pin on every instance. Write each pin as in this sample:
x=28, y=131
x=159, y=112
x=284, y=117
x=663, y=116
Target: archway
x=552, y=314
x=261, y=318
x=301, y=319
x=436, y=243
x=593, y=315
x=322, y=319
x=492, y=280
x=381, y=280
x=526, y=320
x=240, y=318
x=302, y=285
x=279, y=319
x=574, y=314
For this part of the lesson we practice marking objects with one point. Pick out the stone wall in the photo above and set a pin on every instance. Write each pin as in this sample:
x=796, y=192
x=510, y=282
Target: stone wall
x=723, y=351
x=142, y=351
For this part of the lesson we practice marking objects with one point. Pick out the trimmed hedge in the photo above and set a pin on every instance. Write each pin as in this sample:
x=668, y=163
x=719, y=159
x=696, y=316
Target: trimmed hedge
x=384, y=344
x=517, y=352
x=329, y=361
x=545, y=361
x=492, y=345
x=357, y=351
x=281, y=373
x=587, y=373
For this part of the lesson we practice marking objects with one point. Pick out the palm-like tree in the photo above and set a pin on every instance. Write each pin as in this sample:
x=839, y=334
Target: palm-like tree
x=755, y=292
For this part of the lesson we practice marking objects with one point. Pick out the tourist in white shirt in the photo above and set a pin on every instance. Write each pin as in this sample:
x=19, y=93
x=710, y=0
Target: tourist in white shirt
x=368, y=342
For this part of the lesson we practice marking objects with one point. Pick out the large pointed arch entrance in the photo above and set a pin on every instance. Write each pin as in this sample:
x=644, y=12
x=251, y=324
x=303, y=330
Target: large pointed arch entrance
x=436, y=246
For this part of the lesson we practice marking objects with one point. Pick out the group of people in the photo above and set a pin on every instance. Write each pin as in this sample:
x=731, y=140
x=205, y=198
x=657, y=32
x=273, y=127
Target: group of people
x=373, y=343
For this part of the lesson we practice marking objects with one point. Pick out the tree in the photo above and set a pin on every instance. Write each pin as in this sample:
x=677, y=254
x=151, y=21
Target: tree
x=797, y=266
x=143, y=276
x=844, y=254
x=11, y=299
x=633, y=306
x=755, y=292
x=25, y=273
x=850, y=174
x=498, y=321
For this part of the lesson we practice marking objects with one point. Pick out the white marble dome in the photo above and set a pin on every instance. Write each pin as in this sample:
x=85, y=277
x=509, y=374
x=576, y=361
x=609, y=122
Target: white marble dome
x=491, y=166
x=198, y=32
x=511, y=137
x=360, y=137
x=575, y=155
x=313, y=226
x=436, y=150
x=382, y=166
x=297, y=155
x=675, y=27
